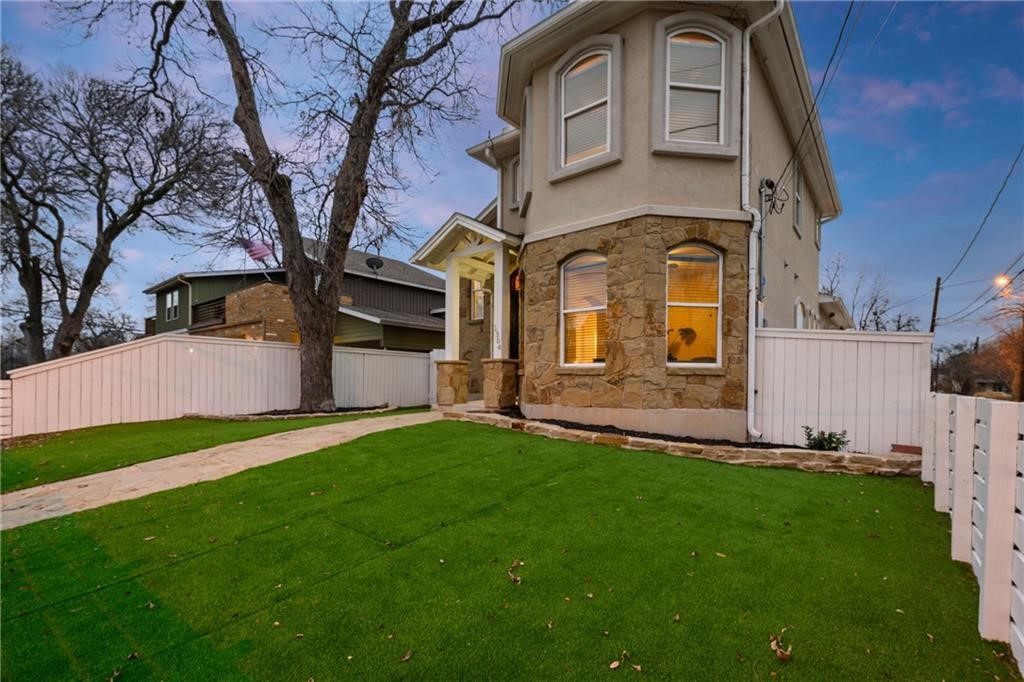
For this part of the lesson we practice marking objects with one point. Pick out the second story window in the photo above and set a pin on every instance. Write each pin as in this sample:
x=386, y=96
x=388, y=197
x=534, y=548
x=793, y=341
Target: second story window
x=584, y=309
x=585, y=111
x=171, y=306
x=695, y=97
x=695, y=78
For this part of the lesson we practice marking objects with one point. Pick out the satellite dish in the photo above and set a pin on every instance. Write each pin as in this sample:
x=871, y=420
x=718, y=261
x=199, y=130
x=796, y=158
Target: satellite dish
x=374, y=263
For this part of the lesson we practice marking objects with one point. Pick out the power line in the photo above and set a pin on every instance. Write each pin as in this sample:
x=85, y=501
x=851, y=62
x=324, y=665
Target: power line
x=881, y=28
x=991, y=298
x=986, y=289
x=984, y=220
x=821, y=86
x=944, y=286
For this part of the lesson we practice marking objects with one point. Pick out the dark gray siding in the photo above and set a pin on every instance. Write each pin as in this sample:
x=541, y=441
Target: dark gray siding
x=389, y=296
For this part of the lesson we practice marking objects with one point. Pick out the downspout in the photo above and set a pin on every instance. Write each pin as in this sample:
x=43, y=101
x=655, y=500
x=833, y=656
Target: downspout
x=753, y=250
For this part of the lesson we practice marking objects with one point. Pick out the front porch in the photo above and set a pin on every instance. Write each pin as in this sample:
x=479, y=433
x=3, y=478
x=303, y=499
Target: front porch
x=480, y=265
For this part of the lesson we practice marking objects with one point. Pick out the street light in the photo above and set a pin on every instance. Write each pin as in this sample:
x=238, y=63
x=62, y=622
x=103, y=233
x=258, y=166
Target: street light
x=1002, y=281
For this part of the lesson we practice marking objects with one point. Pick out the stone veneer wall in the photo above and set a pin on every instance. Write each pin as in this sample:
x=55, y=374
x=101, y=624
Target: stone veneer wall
x=474, y=335
x=262, y=312
x=636, y=375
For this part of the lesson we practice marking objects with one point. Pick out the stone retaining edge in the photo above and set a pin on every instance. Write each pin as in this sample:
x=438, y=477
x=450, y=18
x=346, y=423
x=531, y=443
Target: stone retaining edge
x=781, y=458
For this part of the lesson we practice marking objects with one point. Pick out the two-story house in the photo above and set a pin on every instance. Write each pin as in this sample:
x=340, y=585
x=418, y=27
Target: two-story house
x=384, y=303
x=661, y=190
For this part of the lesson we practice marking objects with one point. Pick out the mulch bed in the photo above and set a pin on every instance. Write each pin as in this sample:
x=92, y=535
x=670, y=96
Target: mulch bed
x=299, y=413
x=516, y=413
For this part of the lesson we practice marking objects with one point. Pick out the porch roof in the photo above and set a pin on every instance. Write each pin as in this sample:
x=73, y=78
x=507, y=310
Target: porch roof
x=459, y=232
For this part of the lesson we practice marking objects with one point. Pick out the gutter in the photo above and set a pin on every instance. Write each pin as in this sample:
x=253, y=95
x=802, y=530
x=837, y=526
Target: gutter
x=753, y=250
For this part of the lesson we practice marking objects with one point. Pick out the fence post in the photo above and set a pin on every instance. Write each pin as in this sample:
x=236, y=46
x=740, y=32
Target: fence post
x=998, y=504
x=963, y=477
x=928, y=434
x=943, y=426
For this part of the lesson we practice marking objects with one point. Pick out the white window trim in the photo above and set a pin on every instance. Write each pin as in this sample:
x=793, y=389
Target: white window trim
x=564, y=115
x=611, y=45
x=526, y=153
x=729, y=103
x=720, y=89
x=513, y=184
x=562, y=310
x=473, y=291
x=169, y=306
x=799, y=314
x=718, y=305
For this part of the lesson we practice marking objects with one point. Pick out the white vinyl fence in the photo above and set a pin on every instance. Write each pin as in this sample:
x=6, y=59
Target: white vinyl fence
x=975, y=457
x=168, y=376
x=872, y=385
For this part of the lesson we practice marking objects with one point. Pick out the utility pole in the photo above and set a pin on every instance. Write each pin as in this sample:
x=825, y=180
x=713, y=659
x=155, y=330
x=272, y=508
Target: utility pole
x=935, y=305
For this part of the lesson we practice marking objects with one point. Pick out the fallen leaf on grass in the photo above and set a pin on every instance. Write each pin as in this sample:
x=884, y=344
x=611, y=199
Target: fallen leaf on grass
x=676, y=618
x=615, y=664
x=299, y=635
x=315, y=493
x=782, y=652
x=277, y=623
x=133, y=655
x=638, y=668
x=590, y=595
x=150, y=605
x=148, y=538
x=406, y=656
x=930, y=638
x=720, y=555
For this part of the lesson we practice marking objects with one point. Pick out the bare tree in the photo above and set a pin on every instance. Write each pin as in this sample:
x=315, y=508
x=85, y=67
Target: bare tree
x=105, y=328
x=85, y=161
x=379, y=79
x=867, y=298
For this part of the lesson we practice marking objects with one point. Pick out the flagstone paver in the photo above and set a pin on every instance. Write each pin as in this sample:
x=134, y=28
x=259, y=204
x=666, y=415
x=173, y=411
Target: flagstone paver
x=51, y=500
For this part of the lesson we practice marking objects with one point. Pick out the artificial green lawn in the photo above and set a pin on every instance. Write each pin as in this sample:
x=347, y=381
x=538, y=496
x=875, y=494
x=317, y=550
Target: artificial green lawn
x=338, y=563
x=102, y=448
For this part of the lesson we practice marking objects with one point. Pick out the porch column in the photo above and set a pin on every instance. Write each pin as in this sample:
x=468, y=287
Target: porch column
x=500, y=305
x=451, y=308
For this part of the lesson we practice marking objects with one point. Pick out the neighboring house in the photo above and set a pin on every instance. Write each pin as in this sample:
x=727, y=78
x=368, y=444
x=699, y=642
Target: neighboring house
x=396, y=306
x=641, y=230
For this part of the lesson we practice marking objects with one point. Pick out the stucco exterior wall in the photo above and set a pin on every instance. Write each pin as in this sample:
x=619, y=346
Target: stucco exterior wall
x=791, y=261
x=641, y=178
x=636, y=388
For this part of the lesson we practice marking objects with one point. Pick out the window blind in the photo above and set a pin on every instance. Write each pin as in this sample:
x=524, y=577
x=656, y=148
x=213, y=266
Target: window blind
x=585, y=283
x=693, y=114
x=692, y=275
x=692, y=334
x=585, y=335
x=695, y=58
x=586, y=83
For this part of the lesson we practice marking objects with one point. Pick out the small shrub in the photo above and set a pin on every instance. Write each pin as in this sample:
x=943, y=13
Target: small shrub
x=826, y=441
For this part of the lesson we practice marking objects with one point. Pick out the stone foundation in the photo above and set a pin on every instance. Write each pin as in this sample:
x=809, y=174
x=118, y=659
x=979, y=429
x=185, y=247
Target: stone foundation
x=710, y=424
x=452, y=382
x=636, y=374
x=501, y=383
x=893, y=464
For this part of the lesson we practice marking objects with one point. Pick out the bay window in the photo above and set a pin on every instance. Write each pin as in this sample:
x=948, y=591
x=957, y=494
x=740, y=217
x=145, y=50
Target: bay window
x=584, y=307
x=694, y=298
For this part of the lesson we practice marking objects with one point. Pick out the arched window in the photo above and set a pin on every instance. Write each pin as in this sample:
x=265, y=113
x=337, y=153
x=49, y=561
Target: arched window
x=585, y=113
x=694, y=325
x=695, y=80
x=584, y=309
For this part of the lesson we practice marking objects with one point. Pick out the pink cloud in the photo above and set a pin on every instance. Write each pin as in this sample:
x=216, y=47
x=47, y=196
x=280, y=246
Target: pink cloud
x=1003, y=84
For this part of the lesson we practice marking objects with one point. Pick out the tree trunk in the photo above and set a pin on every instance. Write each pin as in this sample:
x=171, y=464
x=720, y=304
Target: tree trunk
x=70, y=327
x=315, y=320
x=32, y=332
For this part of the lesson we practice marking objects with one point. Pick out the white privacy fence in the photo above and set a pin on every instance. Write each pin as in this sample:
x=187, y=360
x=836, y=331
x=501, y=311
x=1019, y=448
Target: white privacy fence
x=975, y=456
x=168, y=376
x=872, y=385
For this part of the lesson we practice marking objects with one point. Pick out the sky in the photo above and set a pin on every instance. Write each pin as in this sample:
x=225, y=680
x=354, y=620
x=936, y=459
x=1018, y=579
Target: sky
x=923, y=120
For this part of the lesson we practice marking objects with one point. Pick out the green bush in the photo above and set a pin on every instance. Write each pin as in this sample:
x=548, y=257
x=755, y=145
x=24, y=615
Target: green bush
x=826, y=441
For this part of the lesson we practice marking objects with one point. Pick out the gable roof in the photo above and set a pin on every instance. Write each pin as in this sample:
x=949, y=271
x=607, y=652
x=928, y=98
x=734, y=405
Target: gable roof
x=777, y=44
x=458, y=232
x=183, y=277
x=394, y=270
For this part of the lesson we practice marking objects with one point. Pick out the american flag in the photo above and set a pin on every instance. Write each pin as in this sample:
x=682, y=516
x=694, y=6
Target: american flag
x=257, y=250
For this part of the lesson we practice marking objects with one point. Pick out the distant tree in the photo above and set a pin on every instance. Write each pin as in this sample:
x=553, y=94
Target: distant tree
x=956, y=365
x=83, y=162
x=867, y=297
x=379, y=81
x=105, y=328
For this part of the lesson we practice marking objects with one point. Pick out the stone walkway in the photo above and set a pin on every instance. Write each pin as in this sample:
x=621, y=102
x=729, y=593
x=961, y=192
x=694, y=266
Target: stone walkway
x=51, y=500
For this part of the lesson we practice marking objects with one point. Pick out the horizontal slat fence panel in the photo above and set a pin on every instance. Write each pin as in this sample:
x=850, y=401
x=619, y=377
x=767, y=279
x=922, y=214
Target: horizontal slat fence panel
x=168, y=376
x=872, y=385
